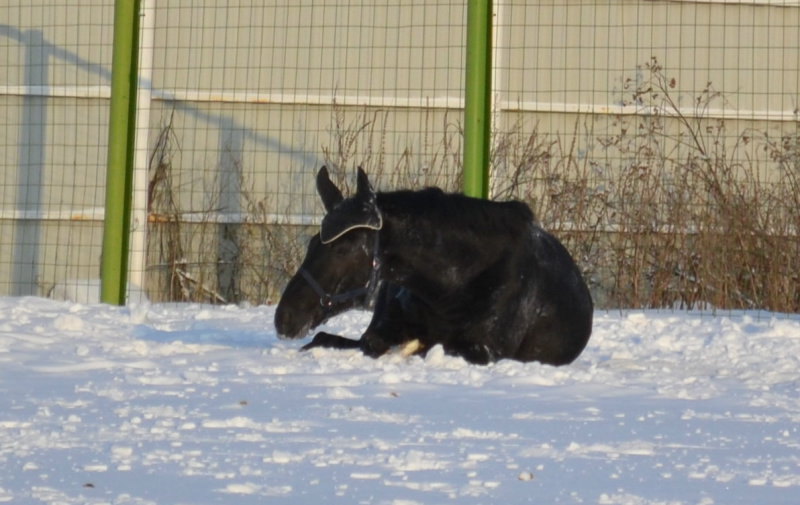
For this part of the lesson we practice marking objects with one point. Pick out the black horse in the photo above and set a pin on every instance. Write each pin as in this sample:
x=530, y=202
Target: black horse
x=481, y=278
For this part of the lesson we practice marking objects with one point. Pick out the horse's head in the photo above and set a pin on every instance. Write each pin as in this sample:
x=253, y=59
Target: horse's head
x=339, y=271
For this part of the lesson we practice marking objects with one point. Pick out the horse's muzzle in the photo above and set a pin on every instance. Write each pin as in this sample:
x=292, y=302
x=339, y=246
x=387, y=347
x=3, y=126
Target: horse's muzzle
x=287, y=325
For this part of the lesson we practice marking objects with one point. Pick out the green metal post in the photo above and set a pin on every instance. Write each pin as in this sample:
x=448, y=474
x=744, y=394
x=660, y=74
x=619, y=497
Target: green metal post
x=121, y=134
x=477, y=101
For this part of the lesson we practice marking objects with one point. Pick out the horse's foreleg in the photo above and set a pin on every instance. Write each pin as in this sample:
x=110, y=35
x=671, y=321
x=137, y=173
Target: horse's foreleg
x=368, y=344
x=396, y=321
x=331, y=341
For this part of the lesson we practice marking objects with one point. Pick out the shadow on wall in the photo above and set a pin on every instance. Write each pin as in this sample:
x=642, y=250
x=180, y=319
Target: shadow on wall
x=29, y=205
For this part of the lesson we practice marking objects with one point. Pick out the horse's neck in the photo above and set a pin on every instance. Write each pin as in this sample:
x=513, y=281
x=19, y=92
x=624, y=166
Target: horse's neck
x=427, y=254
x=432, y=242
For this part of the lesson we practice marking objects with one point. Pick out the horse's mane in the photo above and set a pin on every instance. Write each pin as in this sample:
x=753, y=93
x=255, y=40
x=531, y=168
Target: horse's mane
x=457, y=211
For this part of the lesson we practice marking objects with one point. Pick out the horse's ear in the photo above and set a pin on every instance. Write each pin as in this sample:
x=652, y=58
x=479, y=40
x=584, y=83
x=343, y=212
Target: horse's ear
x=361, y=211
x=328, y=192
x=363, y=187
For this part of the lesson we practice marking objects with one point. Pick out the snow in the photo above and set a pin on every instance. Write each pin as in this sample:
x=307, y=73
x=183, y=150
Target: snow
x=189, y=404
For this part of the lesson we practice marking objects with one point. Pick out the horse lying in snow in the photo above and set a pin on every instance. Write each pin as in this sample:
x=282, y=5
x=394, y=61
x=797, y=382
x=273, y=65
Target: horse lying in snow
x=481, y=278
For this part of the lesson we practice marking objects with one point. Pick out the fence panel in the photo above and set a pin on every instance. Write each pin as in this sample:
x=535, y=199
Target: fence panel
x=250, y=99
x=54, y=104
x=661, y=139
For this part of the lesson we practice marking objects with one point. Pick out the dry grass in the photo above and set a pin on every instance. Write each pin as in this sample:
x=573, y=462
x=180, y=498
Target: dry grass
x=670, y=210
x=659, y=208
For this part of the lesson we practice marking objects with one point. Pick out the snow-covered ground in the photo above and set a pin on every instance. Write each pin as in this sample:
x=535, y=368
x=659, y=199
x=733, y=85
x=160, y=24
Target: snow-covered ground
x=189, y=404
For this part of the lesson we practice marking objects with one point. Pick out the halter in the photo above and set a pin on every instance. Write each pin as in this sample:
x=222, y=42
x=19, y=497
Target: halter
x=328, y=300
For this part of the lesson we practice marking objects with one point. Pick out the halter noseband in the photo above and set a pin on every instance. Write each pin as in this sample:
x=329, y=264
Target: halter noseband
x=328, y=300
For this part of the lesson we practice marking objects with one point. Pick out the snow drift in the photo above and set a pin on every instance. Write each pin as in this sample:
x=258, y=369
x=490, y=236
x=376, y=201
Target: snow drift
x=189, y=404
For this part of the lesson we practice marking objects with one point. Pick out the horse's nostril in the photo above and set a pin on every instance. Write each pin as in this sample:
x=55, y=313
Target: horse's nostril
x=282, y=320
x=291, y=324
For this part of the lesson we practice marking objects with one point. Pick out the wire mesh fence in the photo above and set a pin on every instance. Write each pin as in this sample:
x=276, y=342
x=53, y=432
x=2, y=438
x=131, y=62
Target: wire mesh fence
x=53, y=105
x=661, y=140
x=251, y=98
